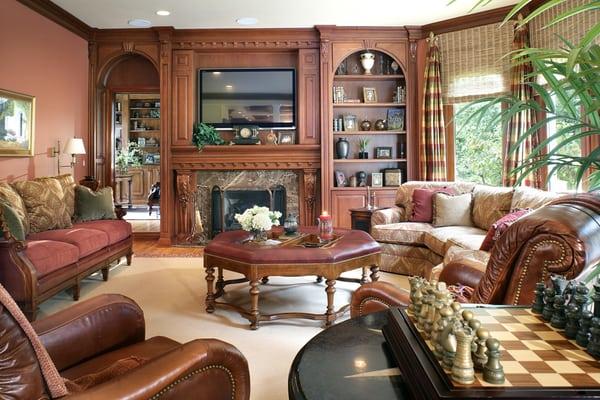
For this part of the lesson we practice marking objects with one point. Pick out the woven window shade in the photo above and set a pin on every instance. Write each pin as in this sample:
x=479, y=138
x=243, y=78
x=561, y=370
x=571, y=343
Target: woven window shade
x=473, y=62
x=573, y=29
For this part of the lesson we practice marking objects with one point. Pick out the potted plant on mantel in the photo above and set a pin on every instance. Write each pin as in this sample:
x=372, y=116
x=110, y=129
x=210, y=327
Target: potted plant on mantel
x=204, y=135
x=572, y=77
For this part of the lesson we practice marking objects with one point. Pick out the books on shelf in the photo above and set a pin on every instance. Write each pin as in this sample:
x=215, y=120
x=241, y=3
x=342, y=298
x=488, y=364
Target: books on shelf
x=338, y=94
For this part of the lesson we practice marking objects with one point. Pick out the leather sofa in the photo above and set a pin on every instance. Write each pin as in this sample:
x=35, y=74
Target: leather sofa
x=419, y=248
x=90, y=337
x=47, y=262
x=562, y=238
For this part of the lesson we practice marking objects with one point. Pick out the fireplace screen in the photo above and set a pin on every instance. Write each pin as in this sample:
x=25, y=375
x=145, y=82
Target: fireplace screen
x=228, y=202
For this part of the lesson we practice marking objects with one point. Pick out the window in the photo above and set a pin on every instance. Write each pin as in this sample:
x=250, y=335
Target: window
x=478, y=154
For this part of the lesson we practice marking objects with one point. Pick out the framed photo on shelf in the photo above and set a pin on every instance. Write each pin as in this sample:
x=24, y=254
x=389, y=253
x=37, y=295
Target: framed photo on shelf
x=350, y=123
x=369, y=95
x=17, y=116
x=383, y=152
x=395, y=119
x=149, y=159
x=141, y=142
x=286, y=137
x=340, y=178
x=376, y=179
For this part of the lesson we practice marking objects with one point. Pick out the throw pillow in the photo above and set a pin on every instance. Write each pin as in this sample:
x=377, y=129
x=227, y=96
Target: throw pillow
x=68, y=185
x=501, y=226
x=422, y=200
x=90, y=205
x=11, y=221
x=490, y=204
x=12, y=198
x=45, y=202
x=452, y=210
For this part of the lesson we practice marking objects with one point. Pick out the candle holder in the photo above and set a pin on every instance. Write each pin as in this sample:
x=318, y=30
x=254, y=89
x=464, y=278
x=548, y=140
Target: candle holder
x=325, y=227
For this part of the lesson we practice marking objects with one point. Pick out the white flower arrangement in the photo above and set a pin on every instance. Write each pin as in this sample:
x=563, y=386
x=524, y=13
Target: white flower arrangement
x=258, y=219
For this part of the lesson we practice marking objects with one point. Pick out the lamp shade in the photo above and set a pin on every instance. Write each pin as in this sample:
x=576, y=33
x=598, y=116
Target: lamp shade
x=74, y=146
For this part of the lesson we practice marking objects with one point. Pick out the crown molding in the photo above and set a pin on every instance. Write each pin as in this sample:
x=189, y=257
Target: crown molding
x=58, y=15
x=468, y=21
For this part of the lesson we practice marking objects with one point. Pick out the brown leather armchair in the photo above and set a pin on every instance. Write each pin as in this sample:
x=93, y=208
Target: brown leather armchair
x=91, y=336
x=562, y=238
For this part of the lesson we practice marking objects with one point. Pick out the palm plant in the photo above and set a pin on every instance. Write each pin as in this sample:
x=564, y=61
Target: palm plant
x=569, y=98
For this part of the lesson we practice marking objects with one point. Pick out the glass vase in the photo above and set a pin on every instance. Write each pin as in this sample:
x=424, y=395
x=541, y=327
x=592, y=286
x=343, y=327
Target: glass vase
x=258, y=236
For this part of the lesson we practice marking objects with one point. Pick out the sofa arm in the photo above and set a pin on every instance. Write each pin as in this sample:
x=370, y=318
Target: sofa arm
x=460, y=273
x=90, y=328
x=386, y=216
x=206, y=368
x=376, y=296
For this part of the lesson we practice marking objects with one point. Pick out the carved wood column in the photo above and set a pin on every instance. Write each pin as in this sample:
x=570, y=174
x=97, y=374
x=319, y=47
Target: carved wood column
x=184, y=209
x=309, y=205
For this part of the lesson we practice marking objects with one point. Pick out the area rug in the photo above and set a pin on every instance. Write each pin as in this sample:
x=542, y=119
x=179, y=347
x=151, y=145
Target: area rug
x=150, y=248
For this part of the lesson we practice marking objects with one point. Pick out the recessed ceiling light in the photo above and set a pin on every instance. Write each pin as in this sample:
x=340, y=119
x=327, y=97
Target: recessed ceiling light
x=228, y=87
x=163, y=13
x=139, y=23
x=247, y=21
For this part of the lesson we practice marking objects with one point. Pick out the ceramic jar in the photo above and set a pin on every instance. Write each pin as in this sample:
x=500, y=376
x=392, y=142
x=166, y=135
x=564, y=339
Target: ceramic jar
x=367, y=60
x=380, y=125
x=365, y=125
x=342, y=148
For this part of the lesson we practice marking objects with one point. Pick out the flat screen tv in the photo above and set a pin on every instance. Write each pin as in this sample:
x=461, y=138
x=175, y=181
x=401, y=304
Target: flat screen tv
x=263, y=97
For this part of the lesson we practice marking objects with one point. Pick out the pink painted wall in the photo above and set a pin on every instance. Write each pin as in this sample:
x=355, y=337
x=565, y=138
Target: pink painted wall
x=42, y=59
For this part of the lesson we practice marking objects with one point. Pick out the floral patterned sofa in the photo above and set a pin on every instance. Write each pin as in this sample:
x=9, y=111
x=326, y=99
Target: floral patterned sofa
x=420, y=248
x=44, y=249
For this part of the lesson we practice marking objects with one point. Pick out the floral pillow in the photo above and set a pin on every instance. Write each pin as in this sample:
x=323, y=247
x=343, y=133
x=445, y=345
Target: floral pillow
x=501, y=226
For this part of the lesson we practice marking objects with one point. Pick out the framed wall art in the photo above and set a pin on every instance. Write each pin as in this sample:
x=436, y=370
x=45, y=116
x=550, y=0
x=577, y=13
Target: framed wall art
x=286, y=137
x=17, y=116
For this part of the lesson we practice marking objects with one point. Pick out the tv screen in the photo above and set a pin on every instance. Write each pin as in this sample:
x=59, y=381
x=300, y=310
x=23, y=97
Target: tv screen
x=263, y=97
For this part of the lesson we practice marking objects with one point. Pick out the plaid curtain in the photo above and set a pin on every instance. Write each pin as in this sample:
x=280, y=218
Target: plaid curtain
x=520, y=76
x=432, y=140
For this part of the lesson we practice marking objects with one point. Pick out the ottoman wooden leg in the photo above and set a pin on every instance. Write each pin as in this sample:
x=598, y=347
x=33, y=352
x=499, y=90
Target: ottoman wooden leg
x=330, y=290
x=255, y=314
x=210, y=296
x=220, y=285
x=363, y=278
x=374, y=273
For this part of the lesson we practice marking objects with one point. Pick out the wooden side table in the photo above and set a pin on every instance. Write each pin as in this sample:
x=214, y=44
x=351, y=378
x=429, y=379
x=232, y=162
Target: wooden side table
x=119, y=179
x=361, y=218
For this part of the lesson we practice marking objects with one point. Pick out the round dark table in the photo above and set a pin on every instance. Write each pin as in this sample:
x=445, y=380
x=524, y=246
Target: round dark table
x=347, y=361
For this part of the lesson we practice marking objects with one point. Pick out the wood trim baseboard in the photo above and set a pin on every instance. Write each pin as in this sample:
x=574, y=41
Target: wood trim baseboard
x=146, y=235
x=57, y=14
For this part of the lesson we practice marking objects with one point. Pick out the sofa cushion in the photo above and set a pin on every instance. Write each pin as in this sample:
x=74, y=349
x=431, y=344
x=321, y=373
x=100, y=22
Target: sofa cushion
x=403, y=232
x=49, y=255
x=490, y=204
x=405, y=192
x=499, y=227
x=11, y=221
x=91, y=206
x=423, y=203
x=86, y=240
x=12, y=197
x=467, y=241
x=45, y=202
x=68, y=185
x=438, y=239
x=116, y=230
x=452, y=210
x=526, y=197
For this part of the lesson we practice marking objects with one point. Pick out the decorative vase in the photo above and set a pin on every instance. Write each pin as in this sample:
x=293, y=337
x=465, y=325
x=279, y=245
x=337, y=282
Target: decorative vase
x=290, y=226
x=380, y=125
x=258, y=236
x=363, y=155
x=362, y=178
x=367, y=60
x=365, y=125
x=342, y=148
x=352, y=181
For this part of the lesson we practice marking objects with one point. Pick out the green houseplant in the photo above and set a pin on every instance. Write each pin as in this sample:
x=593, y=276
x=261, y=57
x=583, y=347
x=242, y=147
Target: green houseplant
x=569, y=98
x=363, y=142
x=127, y=156
x=204, y=134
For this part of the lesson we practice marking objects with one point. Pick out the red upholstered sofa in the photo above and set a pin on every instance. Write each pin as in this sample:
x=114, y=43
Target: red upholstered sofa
x=48, y=262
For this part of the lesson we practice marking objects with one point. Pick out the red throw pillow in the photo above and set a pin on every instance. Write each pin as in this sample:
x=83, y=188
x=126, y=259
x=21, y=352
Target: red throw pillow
x=422, y=200
x=500, y=226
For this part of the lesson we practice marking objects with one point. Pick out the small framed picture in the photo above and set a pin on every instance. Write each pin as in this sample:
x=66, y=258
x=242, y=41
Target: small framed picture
x=141, y=142
x=376, y=179
x=340, y=178
x=383, y=152
x=286, y=137
x=395, y=119
x=350, y=124
x=149, y=159
x=369, y=95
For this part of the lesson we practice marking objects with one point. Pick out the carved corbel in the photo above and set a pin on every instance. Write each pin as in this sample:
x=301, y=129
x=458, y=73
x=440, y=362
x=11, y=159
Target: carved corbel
x=184, y=186
x=310, y=195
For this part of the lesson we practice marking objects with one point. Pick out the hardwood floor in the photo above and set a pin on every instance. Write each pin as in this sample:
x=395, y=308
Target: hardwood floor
x=149, y=248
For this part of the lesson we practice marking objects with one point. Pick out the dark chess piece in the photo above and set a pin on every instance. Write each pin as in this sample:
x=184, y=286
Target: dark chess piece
x=581, y=297
x=559, y=283
x=538, y=304
x=559, y=320
x=549, y=294
x=593, y=346
x=493, y=371
x=596, y=298
x=569, y=292
x=572, y=321
x=583, y=334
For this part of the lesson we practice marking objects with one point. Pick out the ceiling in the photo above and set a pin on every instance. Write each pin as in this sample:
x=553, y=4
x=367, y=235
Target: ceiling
x=270, y=13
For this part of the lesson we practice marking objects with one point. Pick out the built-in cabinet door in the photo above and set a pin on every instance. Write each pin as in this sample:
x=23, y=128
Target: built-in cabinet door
x=342, y=202
x=152, y=177
x=137, y=184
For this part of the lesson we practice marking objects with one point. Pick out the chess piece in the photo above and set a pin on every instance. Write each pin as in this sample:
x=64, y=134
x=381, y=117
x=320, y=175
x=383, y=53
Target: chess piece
x=415, y=283
x=446, y=314
x=538, y=304
x=581, y=297
x=583, y=334
x=462, y=368
x=428, y=324
x=593, y=346
x=572, y=321
x=474, y=324
x=418, y=300
x=448, y=343
x=549, y=294
x=559, y=283
x=596, y=298
x=424, y=307
x=559, y=320
x=467, y=316
x=493, y=371
x=480, y=356
x=569, y=293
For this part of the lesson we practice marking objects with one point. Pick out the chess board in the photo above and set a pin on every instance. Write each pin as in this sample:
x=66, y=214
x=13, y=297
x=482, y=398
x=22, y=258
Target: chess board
x=536, y=358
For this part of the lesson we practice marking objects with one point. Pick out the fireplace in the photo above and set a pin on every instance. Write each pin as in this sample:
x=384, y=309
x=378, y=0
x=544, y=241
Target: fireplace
x=227, y=202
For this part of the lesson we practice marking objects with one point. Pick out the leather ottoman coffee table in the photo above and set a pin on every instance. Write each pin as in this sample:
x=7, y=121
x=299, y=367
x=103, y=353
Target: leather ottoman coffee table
x=233, y=252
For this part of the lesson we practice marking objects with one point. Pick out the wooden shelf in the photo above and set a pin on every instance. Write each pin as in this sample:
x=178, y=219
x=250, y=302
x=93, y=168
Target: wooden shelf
x=366, y=77
x=144, y=108
x=348, y=188
x=368, y=160
x=144, y=118
x=145, y=131
x=360, y=105
x=361, y=133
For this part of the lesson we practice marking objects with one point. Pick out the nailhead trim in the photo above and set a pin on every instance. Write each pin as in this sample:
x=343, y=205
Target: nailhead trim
x=370, y=298
x=191, y=374
x=547, y=263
